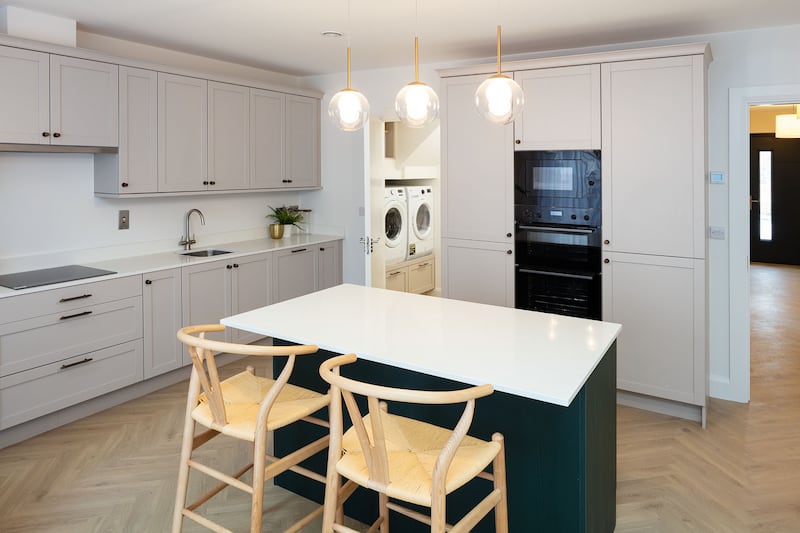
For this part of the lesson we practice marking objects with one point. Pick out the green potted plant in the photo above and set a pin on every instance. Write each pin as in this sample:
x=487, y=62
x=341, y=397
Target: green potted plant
x=283, y=216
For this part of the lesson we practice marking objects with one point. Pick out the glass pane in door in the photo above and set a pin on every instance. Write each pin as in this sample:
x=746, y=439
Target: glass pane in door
x=765, y=195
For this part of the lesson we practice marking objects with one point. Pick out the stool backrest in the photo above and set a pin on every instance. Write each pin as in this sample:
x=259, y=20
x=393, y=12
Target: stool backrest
x=202, y=351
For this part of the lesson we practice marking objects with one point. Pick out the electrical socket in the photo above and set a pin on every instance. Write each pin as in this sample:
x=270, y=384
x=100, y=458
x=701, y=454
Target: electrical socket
x=124, y=219
x=716, y=233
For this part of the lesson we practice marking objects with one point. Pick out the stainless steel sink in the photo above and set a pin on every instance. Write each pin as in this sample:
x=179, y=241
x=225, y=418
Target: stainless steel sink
x=206, y=253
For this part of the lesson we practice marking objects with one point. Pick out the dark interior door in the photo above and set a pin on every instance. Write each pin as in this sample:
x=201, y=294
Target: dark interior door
x=775, y=205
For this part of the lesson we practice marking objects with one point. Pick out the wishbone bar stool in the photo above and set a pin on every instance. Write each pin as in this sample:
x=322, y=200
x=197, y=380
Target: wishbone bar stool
x=245, y=407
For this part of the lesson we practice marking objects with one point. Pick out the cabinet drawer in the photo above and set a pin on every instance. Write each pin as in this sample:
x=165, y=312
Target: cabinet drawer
x=43, y=390
x=35, y=304
x=46, y=339
x=420, y=277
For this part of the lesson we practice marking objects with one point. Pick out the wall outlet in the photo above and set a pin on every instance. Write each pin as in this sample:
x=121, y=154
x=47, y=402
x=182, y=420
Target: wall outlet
x=124, y=219
x=716, y=232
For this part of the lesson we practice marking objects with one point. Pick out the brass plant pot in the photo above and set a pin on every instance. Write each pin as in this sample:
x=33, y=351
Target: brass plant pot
x=276, y=231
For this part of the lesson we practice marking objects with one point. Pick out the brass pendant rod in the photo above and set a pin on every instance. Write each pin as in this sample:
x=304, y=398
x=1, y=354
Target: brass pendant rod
x=498, y=49
x=416, y=58
x=348, y=67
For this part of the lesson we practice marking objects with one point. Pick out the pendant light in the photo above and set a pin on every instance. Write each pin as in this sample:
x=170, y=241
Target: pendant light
x=788, y=126
x=416, y=104
x=349, y=109
x=499, y=98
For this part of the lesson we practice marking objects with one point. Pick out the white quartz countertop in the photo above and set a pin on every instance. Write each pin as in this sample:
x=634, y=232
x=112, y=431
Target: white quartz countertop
x=535, y=355
x=140, y=264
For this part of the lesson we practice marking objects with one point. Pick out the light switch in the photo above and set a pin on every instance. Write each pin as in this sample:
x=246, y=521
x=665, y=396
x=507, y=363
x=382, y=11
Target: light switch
x=124, y=219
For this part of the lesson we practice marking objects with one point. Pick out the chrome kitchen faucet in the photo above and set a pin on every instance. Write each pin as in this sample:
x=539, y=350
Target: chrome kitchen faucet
x=187, y=241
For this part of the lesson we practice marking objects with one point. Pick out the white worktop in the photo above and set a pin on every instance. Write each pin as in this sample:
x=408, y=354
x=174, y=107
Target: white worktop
x=535, y=355
x=141, y=264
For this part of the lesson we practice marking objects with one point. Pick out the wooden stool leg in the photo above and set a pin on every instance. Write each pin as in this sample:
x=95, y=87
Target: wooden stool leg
x=186, y=453
x=259, y=464
x=499, y=472
x=383, y=500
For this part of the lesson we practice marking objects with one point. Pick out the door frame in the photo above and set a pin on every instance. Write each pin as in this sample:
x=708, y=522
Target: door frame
x=736, y=386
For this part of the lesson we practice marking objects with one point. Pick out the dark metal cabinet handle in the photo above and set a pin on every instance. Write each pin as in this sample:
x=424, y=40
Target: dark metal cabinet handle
x=212, y=182
x=236, y=265
x=606, y=241
x=322, y=249
x=76, y=315
x=81, y=297
x=606, y=261
x=148, y=282
x=76, y=363
x=124, y=183
x=56, y=135
x=509, y=252
x=229, y=267
x=299, y=250
x=45, y=134
x=518, y=141
x=508, y=235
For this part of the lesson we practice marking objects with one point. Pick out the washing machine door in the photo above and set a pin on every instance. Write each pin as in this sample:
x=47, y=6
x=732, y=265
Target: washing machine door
x=393, y=224
x=422, y=222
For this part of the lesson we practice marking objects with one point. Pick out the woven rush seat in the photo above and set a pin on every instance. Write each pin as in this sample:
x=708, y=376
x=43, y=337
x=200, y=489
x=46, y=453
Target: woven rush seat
x=412, y=450
x=242, y=395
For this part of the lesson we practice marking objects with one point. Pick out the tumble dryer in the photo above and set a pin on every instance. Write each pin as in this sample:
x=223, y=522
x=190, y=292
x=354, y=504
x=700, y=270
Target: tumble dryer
x=420, y=221
x=395, y=227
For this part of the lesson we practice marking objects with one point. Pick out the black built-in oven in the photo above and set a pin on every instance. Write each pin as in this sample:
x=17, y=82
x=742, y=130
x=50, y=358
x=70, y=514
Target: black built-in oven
x=558, y=218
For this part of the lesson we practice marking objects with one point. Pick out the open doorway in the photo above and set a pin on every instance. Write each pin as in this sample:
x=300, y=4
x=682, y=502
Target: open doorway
x=403, y=196
x=730, y=378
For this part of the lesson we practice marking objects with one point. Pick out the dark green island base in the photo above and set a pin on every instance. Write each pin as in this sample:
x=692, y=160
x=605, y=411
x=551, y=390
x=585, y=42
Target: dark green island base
x=561, y=461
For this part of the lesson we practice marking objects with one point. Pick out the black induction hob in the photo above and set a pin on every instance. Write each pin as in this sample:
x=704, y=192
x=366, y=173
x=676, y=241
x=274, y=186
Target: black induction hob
x=48, y=276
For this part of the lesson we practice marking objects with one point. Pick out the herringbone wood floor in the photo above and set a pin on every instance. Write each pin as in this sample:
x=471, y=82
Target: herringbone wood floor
x=115, y=471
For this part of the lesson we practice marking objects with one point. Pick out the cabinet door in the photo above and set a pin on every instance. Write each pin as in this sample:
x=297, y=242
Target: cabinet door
x=479, y=272
x=84, y=102
x=182, y=133
x=267, y=144
x=295, y=273
x=206, y=289
x=302, y=141
x=660, y=303
x=25, y=105
x=562, y=109
x=654, y=192
x=330, y=264
x=161, y=294
x=138, y=130
x=478, y=168
x=397, y=279
x=251, y=288
x=228, y=136
x=420, y=277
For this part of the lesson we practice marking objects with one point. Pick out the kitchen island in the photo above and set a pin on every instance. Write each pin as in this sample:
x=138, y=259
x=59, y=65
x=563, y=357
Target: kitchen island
x=554, y=400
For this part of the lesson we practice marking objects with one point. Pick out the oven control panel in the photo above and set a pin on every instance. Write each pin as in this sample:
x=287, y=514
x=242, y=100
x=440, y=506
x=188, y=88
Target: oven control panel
x=531, y=215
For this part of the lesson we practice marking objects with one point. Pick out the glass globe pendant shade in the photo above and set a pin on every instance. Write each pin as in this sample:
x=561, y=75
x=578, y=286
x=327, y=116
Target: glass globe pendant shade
x=349, y=110
x=417, y=104
x=499, y=99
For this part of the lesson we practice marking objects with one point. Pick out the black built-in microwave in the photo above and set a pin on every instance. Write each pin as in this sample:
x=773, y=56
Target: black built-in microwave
x=560, y=186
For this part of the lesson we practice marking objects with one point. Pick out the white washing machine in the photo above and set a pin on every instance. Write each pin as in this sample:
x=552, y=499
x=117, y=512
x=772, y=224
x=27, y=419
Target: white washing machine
x=420, y=221
x=395, y=224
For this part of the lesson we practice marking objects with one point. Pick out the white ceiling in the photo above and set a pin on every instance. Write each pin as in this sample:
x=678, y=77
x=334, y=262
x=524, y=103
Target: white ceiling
x=284, y=36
